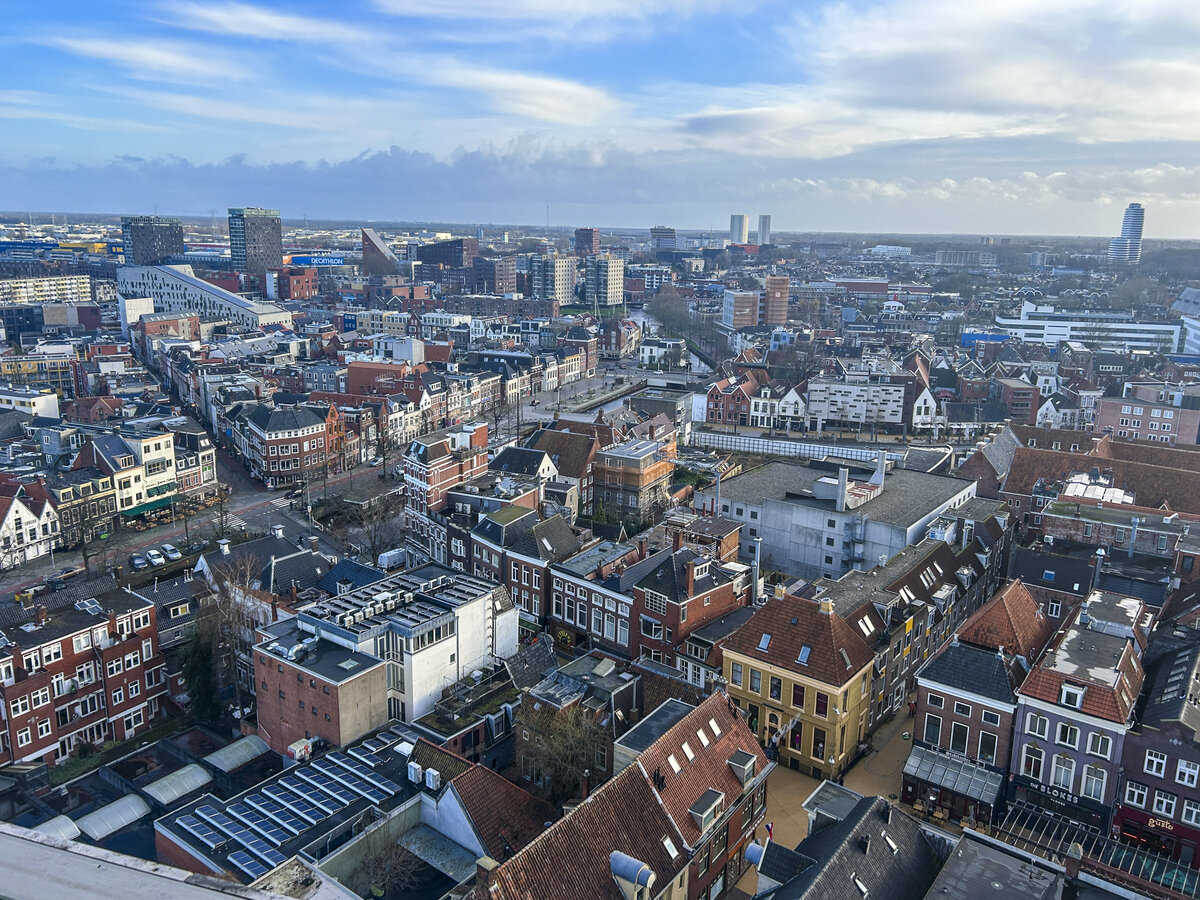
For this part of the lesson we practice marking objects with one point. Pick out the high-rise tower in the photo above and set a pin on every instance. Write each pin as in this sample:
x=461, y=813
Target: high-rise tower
x=739, y=229
x=255, y=239
x=1127, y=249
x=764, y=230
x=148, y=240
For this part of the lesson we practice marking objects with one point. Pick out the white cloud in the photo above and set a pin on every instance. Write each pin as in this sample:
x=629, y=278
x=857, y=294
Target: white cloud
x=155, y=59
x=247, y=20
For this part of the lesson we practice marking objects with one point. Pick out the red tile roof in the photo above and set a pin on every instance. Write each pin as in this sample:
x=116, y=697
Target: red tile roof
x=1154, y=486
x=793, y=623
x=1012, y=619
x=709, y=766
x=570, y=860
x=505, y=817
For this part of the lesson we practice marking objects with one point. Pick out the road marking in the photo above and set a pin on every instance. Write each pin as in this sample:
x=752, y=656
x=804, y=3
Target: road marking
x=281, y=502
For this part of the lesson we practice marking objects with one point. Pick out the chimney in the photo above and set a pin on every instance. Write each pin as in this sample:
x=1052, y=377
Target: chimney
x=484, y=867
x=41, y=615
x=880, y=468
x=843, y=486
x=223, y=543
x=585, y=784
x=641, y=545
x=756, y=572
x=677, y=540
x=826, y=606
x=313, y=543
x=112, y=622
x=277, y=530
x=689, y=578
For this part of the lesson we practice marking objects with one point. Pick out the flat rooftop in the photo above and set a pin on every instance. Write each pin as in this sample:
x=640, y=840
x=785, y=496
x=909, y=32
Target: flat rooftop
x=655, y=725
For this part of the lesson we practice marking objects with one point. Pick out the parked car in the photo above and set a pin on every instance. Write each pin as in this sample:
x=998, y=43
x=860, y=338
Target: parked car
x=376, y=462
x=196, y=547
x=156, y=558
x=64, y=573
x=138, y=562
x=170, y=552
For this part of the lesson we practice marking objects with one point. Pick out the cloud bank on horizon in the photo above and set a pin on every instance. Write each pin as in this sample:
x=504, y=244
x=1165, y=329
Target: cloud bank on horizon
x=897, y=115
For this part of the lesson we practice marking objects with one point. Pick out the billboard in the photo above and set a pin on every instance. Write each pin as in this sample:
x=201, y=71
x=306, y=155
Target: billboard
x=321, y=260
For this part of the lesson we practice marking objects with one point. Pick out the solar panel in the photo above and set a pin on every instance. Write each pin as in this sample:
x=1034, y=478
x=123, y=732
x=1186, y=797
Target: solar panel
x=365, y=756
x=251, y=842
x=301, y=807
x=379, y=743
x=343, y=775
x=258, y=822
x=384, y=784
x=328, y=786
x=197, y=829
x=248, y=864
x=276, y=812
x=364, y=772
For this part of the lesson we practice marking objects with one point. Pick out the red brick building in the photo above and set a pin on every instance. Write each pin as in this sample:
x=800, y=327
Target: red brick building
x=434, y=463
x=295, y=282
x=84, y=667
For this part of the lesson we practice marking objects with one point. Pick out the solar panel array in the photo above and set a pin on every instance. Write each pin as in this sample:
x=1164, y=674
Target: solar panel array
x=264, y=821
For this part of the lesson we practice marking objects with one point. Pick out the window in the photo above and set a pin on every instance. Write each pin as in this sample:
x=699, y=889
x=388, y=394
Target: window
x=822, y=704
x=1186, y=773
x=1039, y=726
x=1156, y=763
x=19, y=706
x=114, y=668
x=51, y=653
x=623, y=632
x=1191, y=812
x=1164, y=803
x=991, y=718
x=933, y=729
x=81, y=642
x=1072, y=696
x=43, y=728
x=1031, y=763
x=987, y=748
x=118, y=696
x=962, y=709
x=1063, y=775
x=798, y=695
x=1135, y=794
x=937, y=701
x=1094, y=779
x=1053, y=609
x=735, y=674
x=135, y=688
x=959, y=735
x=818, y=743
x=40, y=697
x=24, y=737
x=756, y=681
x=1068, y=735
x=1099, y=744
x=776, y=688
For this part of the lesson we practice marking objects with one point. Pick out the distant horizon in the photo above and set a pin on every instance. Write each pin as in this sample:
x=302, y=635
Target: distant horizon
x=293, y=221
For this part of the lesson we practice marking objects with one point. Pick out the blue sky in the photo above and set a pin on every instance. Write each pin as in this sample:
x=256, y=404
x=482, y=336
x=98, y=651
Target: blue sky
x=897, y=115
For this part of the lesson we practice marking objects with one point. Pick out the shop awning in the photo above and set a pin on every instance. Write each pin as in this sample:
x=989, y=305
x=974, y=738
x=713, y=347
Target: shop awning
x=952, y=773
x=157, y=503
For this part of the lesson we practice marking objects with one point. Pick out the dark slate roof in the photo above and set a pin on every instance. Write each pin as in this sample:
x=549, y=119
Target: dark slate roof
x=358, y=574
x=302, y=570
x=1169, y=698
x=532, y=663
x=972, y=669
x=842, y=855
x=270, y=419
x=568, y=450
x=502, y=526
x=668, y=576
x=551, y=539
x=781, y=864
x=518, y=460
x=12, y=424
x=15, y=614
x=1071, y=574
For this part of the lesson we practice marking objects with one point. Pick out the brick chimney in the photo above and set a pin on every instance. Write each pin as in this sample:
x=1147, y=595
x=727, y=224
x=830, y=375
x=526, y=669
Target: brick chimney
x=677, y=540
x=112, y=623
x=41, y=614
x=484, y=867
x=641, y=545
x=585, y=784
x=313, y=543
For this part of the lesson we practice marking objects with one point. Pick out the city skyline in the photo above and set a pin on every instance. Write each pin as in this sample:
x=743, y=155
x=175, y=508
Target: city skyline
x=833, y=116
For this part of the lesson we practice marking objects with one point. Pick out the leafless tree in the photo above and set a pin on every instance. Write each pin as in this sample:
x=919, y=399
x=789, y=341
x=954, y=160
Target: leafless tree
x=237, y=608
x=388, y=870
x=563, y=745
x=379, y=524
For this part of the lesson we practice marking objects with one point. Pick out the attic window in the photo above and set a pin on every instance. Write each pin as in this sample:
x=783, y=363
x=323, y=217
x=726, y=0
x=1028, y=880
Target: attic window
x=687, y=751
x=845, y=657
x=669, y=846
x=887, y=838
x=703, y=738
x=1048, y=575
x=675, y=767
x=866, y=626
x=765, y=641
x=804, y=654
x=1072, y=696
x=716, y=730
x=862, y=888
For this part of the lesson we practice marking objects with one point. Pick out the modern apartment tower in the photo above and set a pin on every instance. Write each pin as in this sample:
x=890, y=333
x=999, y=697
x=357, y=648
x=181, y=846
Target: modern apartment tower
x=775, y=298
x=764, y=230
x=587, y=241
x=553, y=277
x=255, y=239
x=1127, y=249
x=662, y=237
x=604, y=282
x=739, y=229
x=377, y=256
x=149, y=240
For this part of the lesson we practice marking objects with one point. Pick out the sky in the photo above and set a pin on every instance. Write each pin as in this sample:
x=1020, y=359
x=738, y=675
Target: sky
x=914, y=116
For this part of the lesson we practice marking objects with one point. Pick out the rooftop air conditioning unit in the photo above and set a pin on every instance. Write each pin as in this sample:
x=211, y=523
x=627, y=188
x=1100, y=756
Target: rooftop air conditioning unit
x=415, y=772
x=433, y=779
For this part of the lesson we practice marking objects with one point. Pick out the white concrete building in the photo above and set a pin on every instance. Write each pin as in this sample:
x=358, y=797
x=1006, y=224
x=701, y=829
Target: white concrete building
x=1042, y=323
x=433, y=626
x=43, y=402
x=28, y=529
x=55, y=289
x=820, y=520
x=860, y=402
x=177, y=289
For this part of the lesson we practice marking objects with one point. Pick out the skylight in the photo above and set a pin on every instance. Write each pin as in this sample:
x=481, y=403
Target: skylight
x=675, y=767
x=702, y=736
x=765, y=641
x=687, y=750
x=712, y=723
x=804, y=653
x=669, y=846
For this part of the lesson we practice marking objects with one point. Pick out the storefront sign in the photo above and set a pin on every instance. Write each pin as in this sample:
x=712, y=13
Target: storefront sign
x=1161, y=823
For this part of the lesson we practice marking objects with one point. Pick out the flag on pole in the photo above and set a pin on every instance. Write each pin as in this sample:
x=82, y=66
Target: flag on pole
x=770, y=828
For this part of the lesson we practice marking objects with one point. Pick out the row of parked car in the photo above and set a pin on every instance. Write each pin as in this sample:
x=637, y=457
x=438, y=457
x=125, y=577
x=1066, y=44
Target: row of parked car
x=158, y=556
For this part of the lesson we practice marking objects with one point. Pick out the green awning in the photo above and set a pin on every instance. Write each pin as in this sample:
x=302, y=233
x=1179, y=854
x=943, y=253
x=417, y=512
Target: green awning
x=158, y=503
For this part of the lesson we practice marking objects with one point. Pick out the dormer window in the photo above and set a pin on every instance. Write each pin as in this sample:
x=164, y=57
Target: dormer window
x=706, y=810
x=1071, y=696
